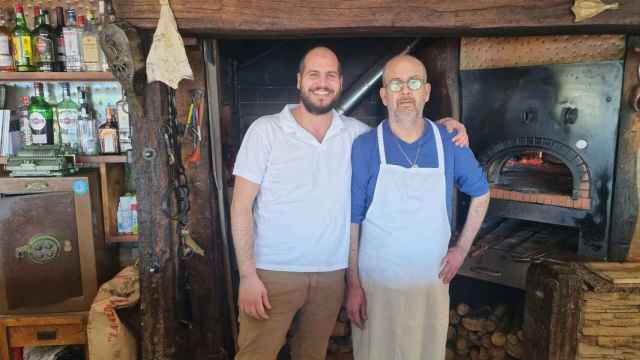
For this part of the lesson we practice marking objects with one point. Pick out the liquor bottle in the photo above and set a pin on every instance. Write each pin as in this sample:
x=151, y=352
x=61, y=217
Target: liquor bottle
x=21, y=41
x=59, y=36
x=72, y=48
x=35, y=21
x=23, y=116
x=6, y=57
x=68, y=118
x=103, y=19
x=108, y=134
x=124, y=127
x=90, y=46
x=41, y=118
x=86, y=125
x=44, y=43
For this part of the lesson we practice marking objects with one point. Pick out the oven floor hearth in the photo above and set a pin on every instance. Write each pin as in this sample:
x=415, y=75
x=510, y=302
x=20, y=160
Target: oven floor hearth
x=525, y=241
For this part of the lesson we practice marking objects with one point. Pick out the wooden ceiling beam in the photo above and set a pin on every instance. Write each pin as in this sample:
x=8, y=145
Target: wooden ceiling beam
x=378, y=17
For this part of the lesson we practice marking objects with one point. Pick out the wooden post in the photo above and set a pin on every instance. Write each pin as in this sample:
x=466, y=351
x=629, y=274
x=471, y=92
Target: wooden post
x=625, y=226
x=158, y=246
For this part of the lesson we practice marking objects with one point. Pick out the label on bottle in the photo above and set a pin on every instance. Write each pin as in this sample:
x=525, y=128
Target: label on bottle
x=22, y=50
x=25, y=128
x=44, y=47
x=108, y=145
x=90, y=53
x=38, y=123
x=72, y=50
x=5, y=52
x=60, y=48
x=68, y=121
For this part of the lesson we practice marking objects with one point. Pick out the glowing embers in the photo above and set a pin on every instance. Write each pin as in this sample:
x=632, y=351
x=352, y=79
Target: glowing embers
x=538, y=177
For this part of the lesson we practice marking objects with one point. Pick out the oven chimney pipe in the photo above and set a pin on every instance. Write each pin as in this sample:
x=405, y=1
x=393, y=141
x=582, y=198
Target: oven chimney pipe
x=355, y=93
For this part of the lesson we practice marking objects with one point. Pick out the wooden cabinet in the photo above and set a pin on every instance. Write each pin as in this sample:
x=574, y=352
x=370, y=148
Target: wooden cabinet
x=41, y=330
x=54, y=257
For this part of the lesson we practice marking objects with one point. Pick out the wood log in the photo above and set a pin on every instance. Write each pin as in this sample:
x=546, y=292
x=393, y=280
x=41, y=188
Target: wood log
x=486, y=341
x=473, y=324
x=450, y=354
x=514, y=349
x=451, y=333
x=454, y=318
x=489, y=326
x=462, y=346
x=498, y=353
x=331, y=17
x=463, y=309
x=498, y=339
x=475, y=338
x=474, y=354
x=463, y=332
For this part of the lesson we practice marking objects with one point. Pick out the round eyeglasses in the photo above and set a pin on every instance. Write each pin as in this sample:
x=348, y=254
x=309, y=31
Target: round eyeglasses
x=396, y=85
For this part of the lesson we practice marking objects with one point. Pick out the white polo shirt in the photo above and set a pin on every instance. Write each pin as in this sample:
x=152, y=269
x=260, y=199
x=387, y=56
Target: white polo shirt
x=301, y=213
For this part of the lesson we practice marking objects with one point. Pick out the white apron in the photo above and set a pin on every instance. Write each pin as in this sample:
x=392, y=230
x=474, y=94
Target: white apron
x=405, y=236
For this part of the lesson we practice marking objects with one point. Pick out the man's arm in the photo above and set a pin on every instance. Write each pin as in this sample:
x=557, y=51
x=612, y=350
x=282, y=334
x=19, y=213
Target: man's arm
x=456, y=255
x=252, y=298
x=356, y=300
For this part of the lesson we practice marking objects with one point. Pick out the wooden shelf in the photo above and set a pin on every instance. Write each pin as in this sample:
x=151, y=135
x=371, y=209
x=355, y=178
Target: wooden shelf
x=122, y=238
x=56, y=76
x=86, y=159
x=101, y=159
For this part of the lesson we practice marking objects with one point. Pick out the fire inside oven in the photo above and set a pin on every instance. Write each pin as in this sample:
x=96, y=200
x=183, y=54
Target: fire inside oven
x=535, y=172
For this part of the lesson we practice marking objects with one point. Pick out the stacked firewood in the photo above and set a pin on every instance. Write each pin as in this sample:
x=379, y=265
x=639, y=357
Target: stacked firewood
x=486, y=333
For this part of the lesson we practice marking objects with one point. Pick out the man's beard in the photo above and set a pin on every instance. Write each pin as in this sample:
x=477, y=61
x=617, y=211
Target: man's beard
x=407, y=118
x=318, y=109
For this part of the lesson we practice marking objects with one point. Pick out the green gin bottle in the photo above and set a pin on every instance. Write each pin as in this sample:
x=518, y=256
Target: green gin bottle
x=68, y=118
x=40, y=118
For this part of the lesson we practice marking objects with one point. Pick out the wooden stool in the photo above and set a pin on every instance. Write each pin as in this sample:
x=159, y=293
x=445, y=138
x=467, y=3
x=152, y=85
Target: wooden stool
x=42, y=330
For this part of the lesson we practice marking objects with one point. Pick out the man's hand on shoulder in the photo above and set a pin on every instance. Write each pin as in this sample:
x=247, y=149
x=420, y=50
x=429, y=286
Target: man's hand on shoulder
x=462, y=138
x=451, y=263
x=253, y=299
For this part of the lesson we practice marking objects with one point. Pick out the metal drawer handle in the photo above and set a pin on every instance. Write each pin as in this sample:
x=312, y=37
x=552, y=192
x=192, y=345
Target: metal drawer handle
x=36, y=186
x=47, y=334
x=486, y=271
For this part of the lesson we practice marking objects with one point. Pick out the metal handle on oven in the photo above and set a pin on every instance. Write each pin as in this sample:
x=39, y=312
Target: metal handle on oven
x=485, y=271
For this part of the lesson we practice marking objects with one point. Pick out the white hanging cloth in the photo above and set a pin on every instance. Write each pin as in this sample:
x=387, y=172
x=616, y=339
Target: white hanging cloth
x=167, y=61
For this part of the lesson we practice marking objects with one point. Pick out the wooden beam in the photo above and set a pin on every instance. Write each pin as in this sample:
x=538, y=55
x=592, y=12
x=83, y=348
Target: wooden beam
x=512, y=51
x=158, y=245
x=379, y=17
x=625, y=224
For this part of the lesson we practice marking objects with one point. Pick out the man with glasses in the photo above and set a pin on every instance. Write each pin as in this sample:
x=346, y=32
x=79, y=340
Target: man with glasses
x=290, y=216
x=400, y=267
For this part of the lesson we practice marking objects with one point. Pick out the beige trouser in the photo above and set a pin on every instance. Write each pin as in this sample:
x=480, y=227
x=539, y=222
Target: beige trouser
x=315, y=297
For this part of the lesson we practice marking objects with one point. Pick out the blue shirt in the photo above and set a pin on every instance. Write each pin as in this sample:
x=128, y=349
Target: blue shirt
x=460, y=165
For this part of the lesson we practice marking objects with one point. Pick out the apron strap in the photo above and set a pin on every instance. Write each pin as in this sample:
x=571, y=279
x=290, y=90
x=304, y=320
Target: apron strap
x=439, y=147
x=383, y=158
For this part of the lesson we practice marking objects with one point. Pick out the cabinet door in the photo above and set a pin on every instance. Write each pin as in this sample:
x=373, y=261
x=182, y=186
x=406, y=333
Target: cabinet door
x=39, y=249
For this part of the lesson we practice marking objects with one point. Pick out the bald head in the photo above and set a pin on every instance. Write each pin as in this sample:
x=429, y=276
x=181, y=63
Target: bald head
x=404, y=66
x=320, y=53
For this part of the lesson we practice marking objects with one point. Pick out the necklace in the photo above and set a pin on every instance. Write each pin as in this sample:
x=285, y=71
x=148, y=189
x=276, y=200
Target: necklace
x=413, y=164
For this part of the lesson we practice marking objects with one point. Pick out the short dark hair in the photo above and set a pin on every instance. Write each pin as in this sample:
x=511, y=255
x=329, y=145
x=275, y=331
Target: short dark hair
x=304, y=57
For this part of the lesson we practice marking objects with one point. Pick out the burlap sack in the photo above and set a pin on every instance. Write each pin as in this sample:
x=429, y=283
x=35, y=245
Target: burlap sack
x=107, y=337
